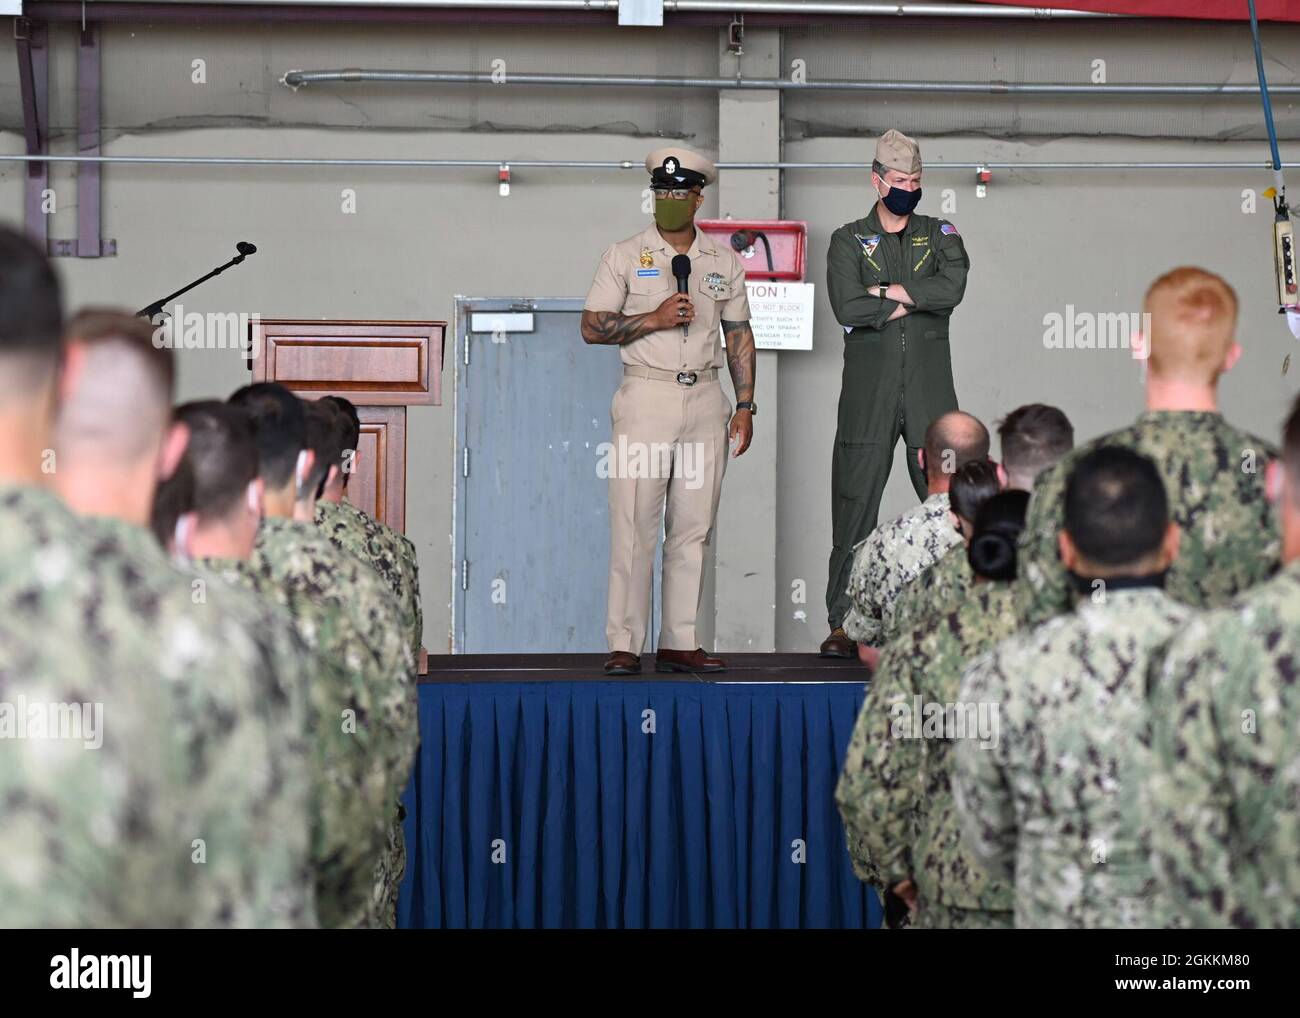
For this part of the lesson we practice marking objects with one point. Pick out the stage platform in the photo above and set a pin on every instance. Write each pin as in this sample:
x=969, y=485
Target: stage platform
x=792, y=668
x=548, y=794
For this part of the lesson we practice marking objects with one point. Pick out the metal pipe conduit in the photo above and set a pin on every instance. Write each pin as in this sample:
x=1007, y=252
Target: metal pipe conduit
x=297, y=79
x=626, y=164
x=905, y=10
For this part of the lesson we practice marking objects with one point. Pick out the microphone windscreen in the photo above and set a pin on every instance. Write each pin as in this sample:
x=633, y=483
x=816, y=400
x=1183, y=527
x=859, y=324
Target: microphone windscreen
x=681, y=266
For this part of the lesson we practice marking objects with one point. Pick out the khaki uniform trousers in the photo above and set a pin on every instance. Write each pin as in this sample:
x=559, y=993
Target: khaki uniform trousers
x=668, y=457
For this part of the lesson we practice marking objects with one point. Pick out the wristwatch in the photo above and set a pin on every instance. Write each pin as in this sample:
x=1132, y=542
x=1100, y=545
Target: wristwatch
x=881, y=287
x=747, y=404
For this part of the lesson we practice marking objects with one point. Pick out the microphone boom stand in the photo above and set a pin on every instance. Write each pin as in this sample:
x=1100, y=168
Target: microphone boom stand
x=149, y=310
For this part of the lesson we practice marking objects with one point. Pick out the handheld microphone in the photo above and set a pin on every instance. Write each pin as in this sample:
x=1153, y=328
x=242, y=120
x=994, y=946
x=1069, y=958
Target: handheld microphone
x=682, y=273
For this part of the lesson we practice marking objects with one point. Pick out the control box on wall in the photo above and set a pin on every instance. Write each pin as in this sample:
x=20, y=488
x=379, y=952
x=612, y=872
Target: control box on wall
x=768, y=248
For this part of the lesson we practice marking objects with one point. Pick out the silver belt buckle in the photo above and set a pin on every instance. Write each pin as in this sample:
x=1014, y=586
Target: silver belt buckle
x=687, y=377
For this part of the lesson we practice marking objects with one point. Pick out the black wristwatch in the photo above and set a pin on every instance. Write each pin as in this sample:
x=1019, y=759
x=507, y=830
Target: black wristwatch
x=881, y=287
x=747, y=404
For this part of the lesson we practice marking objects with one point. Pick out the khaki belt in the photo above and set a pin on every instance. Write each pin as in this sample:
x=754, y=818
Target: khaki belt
x=680, y=377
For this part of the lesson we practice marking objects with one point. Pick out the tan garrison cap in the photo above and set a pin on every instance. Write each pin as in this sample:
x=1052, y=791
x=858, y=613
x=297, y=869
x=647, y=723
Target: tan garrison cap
x=899, y=152
x=680, y=166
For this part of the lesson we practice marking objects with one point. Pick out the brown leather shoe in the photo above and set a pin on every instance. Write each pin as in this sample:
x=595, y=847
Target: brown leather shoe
x=838, y=644
x=620, y=662
x=687, y=661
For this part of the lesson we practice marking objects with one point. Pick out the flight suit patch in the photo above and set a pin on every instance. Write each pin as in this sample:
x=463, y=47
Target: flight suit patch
x=947, y=229
x=869, y=244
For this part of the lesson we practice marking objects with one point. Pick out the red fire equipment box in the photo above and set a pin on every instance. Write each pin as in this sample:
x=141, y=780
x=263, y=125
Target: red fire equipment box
x=768, y=248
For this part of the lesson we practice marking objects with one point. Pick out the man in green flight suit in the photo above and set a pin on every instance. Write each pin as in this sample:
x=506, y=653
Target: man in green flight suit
x=893, y=278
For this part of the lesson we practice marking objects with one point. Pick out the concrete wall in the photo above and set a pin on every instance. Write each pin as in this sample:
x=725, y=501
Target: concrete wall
x=1038, y=241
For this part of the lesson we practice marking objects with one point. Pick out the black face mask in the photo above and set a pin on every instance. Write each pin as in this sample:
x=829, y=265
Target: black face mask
x=901, y=202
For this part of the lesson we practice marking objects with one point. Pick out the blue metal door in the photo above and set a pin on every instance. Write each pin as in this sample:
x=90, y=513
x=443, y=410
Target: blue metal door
x=532, y=513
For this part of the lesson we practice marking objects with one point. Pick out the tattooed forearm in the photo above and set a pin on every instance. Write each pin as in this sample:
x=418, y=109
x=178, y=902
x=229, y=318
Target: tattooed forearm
x=742, y=357
x=613, y=328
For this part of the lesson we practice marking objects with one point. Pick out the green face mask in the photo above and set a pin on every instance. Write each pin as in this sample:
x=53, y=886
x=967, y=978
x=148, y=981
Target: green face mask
x=672, y=214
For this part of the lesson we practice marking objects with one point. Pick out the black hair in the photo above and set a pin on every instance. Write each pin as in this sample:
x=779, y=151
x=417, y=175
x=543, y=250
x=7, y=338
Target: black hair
x=172, y=498
x=1034, y=437
x=31, y=301
x=221, y=455
x=352, y=433
x=280, y=426
x=972, y=485
x=1116, y=507
x=325, y=428
x=992, y=550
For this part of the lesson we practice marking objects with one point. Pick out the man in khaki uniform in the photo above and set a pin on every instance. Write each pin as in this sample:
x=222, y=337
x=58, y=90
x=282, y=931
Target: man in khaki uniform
x=671, y=419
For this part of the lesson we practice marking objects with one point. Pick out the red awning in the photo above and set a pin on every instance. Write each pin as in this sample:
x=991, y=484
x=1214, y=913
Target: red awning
x=1217, y=10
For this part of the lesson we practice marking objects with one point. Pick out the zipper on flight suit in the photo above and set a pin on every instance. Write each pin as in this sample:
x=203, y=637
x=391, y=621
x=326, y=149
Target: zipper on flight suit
x=902, y=330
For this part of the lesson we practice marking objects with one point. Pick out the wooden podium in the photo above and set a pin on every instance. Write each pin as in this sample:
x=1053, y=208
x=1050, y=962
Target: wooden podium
x=382, y=367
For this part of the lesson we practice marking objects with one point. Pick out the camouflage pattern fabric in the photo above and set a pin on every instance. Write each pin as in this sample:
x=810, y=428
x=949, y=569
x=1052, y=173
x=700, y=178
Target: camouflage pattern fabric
x=1055, y=805
x=938, y=590
x=342, y=764
x=1225, y=789
x=893, y=555
x=1214, y=476
x=343, y=608
x=895, y=792
x=244, y=729
x=945, y=917
x=392, y=557
x=389, y=552
x=164, y=817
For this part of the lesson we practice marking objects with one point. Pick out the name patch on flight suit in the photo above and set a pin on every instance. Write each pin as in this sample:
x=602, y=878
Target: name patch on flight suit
x=647, y=272
x=716, y=284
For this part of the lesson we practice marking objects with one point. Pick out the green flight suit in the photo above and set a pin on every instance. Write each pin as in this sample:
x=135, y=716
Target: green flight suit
x=897, y=375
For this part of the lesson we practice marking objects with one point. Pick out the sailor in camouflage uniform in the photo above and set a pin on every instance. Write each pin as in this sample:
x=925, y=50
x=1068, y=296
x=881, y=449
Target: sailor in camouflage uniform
x=333, y=442
x=90, y=834
x=942, y=587
x=213, y=505
x=243, y=725
x=1054, y=805
x=342, y=608
x=1224, y=795
x=895, y=553
x=389, y=552
x=895, y=791
x=1033, y=437
x=1213, y=472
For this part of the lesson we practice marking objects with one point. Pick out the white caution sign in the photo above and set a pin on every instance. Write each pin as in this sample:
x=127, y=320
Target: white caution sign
x=781, y=315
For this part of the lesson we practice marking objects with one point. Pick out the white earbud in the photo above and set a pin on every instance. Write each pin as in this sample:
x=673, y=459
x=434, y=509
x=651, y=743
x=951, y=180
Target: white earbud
x=181, y=536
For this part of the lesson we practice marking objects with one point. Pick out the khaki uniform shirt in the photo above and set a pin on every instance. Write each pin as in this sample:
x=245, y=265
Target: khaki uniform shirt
x=636, y=276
